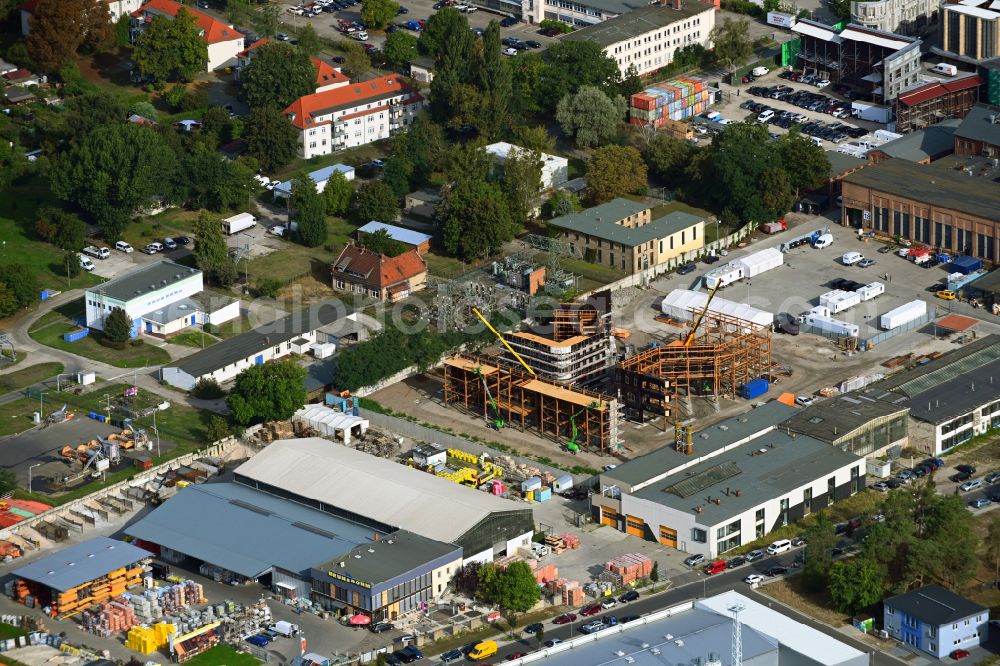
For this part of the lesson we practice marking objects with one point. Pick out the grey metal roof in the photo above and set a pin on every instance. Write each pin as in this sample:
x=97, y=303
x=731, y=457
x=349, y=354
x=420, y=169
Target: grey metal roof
x=81, y=563
x=693, y=634
x=979, y=124
x=248, y=531
x=705, y=441
x=151, y=277
x=320, y=374
x=935, y=605
x=841, y=163
x=599, y=226
x=924, y=144
x=389, y=557
x=252, y=342
x=946, y=188
x=836, y=418
x=636, y=22
x=767, y=467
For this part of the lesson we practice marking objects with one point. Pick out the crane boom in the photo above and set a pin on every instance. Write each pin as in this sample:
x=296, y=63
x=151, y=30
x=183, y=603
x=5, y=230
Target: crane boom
x=694, y=329
x=500, y=338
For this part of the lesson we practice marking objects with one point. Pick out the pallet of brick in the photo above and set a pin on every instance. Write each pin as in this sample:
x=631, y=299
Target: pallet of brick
x=570, y=541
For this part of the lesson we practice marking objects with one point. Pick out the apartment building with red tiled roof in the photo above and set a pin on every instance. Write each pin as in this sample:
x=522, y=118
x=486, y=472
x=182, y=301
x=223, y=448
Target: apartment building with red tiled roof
x=353, y=115
x=224, y=42
x=388, y=279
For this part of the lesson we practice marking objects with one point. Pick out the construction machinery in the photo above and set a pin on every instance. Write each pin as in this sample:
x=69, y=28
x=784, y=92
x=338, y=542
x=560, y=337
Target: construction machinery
x=694, y=328
x=571, y=445
x=58, y=416
x=498, y=422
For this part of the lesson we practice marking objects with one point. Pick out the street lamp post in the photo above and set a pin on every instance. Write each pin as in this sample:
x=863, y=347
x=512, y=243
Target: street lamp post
x=41, y=407
x=29, y=474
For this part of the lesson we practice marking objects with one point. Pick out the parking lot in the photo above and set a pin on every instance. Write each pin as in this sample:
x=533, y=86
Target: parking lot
x=326, y=23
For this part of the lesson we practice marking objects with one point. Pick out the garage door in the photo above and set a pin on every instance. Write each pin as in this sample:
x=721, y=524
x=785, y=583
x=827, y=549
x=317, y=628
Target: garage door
x=668, y=537
x=609, y=517
x=635, y=526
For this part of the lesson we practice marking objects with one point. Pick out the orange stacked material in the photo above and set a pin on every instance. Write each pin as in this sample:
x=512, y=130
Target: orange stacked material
x=8, y=549
x=110, y=617
x=545, y=572
x=570, y=541
x=572, y=594
x=627, y=569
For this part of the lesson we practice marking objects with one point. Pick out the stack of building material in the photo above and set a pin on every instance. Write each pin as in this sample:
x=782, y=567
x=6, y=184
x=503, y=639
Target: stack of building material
x=568, y=591
x=110, y=617
x=570, y=541
x=544, y=572
x=677, y=99
x=555, y=544
x=9, y=551
x=147, y=640
x=627, y=569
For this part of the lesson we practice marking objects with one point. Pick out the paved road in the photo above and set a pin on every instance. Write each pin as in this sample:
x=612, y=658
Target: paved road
x=689, y=586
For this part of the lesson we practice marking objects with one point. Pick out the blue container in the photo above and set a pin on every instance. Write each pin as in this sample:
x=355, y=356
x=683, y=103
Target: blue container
x=73, y=336
x=44, y=296
x=92, y=415
x=966, y=265
x=755, y=389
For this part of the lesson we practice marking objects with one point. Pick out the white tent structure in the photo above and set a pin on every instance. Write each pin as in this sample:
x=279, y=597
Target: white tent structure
x=682, y=304
x=330, y=423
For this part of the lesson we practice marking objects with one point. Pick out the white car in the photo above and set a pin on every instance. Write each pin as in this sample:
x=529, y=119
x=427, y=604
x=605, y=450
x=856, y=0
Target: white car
x=122, y=246
x=760, y=71
x=361, y=36
x=970, y=485
x=753, y=579
x=262, y=180
x=823, y=83
x=510, y=52
x=804, y=400
x=727, y=121
x=609, y=603
x=86, y=264
x=608, y=468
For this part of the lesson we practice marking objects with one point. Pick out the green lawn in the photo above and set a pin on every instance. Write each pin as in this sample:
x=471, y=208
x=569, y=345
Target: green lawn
x=223, y=655
x=353, y=157
x=295, y=261
x=446, y=267
x=196, y=338
x=17, y=218
x=593, y=272
x=15, y=416
x=173, y=222
x=675, y=206
x=32, y=374
x=10, y=631
x=233, y=327
x=49, y=329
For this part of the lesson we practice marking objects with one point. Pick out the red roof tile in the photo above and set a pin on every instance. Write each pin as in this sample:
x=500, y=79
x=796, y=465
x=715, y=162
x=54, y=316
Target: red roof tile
x=245, y=52
x=307, y=107
x=377, y=270
x=327, y=74
x=933, y=90
x=214, y=31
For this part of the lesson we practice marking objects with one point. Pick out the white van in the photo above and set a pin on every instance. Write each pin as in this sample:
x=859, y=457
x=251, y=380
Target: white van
x=765, y=115
x=86, y=264
x=361, y=36
x=851, y=258
x=781, y=546
x=944, y=68
x=122, y=246
x=759, y=71
x=826, y=240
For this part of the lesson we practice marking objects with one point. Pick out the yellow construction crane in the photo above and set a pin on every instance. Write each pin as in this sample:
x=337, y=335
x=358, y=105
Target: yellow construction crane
x=694, y=329
x=500, y=338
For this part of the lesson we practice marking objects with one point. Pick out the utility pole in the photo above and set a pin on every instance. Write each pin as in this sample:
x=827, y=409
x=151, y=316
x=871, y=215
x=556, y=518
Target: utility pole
x=41, y=408
x=29, y=474
x=157, y=431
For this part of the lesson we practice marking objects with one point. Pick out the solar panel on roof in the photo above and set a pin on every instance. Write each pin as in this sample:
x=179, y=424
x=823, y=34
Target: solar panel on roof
x=250, y=507
x=315, y=530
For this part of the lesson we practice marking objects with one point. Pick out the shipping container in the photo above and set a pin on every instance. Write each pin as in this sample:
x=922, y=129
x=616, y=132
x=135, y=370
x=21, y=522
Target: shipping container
x=722, y=276
x=904, y=314
x=73, y=336
x=755, y=388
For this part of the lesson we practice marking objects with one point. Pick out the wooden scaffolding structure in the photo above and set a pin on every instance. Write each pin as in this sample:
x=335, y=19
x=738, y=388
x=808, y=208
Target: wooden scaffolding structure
x=592, y=317
x=586, y=418
x=726, y=354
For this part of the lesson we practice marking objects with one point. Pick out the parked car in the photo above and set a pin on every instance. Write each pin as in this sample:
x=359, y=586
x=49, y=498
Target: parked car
x=799, y=541
x=592, y=609
x=170, y=243
x=552, y=642
x=959, y=654
x=753, y=579
x=182, y=240
x=410, y=654
x=966, y=468
x=565, y=618
x=149, y=249
x=687, y=268
x=880, y=486
x=737, y=561
x=258, y=640
x=122, y=246
x=610, y=621
x=718, y=566
x=631, y=595
x=992, y=477
x=610, y=602
x=452, y=655
x=804, y=400
x=754, y=555
x=776, y=570
x=628, y=618
x=980, y=503
x=592, y=627
x=971, y=484
x=694, y=560
x=779, y=546
x=958, y=477
x=865, y=263
x=379, y=627
x=533, y=628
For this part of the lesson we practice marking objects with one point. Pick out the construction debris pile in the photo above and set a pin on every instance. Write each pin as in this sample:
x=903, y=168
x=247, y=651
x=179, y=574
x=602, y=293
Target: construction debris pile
x=377, y=443
x=627, y=569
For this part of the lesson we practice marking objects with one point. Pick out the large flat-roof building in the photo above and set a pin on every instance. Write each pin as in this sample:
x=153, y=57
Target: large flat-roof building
x=701, y=632
x=621, y=234
x=742, y=479
x=862, y=422
x=299, y=551
x=952, y=203
x=648, y=37
x=345, y=482
x=970, y=30
x=159, y=298
x=577, y=13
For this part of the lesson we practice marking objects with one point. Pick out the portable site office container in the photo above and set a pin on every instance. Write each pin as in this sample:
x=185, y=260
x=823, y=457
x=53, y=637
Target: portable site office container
x=870, y=291
x=838, y=300
x=723, y=276
x=904, y=314
x=830, y=325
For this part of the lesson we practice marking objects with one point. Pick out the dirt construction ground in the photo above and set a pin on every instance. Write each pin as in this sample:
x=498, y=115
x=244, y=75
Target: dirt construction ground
x=816, y=362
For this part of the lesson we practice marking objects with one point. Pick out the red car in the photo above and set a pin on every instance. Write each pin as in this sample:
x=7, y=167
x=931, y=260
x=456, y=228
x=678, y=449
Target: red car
x=715, y=567
x=592, y=609
x=959, y=654
x=565, y=619
x=516, y=655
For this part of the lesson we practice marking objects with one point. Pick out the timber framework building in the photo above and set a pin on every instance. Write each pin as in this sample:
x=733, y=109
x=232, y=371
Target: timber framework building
x=726, y=354
x=510, y=396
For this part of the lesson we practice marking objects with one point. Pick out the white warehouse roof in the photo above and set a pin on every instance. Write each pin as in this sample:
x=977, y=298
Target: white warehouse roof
x=376, y=488
x=680, y=303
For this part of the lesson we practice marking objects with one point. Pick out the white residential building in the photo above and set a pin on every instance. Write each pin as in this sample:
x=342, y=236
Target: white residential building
x=647, y=38
x=117, y=9
x=353, y=115
x=224, y=42
x=161, y=298
x=906, y=17
x=555, y=169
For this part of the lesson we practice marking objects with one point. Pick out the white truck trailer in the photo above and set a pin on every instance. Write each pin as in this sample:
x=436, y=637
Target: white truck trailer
x=903, y=315
x=237, y=223
x=870, y=291
x=819, y=318
x=749, y=266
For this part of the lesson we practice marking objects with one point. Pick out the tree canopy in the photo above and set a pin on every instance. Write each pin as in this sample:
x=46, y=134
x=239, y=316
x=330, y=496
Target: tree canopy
x=171, y=48
x=277, y=75
x=513, y=588
x=400, y=48
x=61, y=28
x=591, y=117
x=112, y=172
x=117, y=326
x=18, y=288
x=380, y=241
x=375, y=201
x=614, y=171
x=337, y=194
x=474, y=219
x=211, y=253
x=272, y=391
x=310, y=211
x=731, y=42
x=378, y=13
x=270, y=138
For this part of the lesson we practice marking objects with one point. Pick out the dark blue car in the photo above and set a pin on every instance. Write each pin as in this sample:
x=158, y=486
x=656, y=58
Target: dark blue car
x=259, y=641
